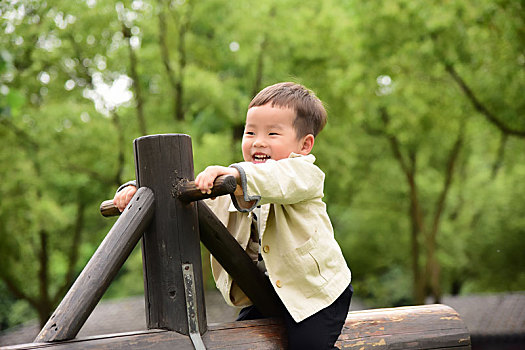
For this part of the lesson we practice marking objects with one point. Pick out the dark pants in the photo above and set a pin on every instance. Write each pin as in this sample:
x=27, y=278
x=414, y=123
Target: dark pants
x=317, y=332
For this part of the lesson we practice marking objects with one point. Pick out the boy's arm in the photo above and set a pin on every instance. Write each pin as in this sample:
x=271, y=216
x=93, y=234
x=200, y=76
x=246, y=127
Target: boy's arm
x=286, y=181
x=204, y=181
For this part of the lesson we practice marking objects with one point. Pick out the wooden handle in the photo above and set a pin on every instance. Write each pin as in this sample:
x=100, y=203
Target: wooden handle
x=107, y=208
x=186, y=191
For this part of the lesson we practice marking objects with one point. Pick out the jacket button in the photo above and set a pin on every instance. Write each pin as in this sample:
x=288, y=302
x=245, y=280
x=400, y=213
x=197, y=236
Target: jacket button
x=266, y=249
x=278, y=284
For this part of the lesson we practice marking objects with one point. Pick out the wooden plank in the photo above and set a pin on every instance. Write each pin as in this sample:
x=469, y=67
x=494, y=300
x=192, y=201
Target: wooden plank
x=151, y=339
x=172, y=239
x=103, y=266
x=414, y=327
x=363, y=330
x=409, y=341
x=237, y=263
x=259, y=334
x=254, y=334
x=414, y=318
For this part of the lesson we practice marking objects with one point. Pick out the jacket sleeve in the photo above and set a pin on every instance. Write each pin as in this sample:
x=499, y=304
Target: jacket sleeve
x=286, y=181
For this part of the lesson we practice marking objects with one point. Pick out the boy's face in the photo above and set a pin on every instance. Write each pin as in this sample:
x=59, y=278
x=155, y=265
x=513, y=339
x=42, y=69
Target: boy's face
x=269, y=134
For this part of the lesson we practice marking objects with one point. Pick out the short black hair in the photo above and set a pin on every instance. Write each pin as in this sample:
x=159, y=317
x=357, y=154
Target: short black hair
x=310, y=114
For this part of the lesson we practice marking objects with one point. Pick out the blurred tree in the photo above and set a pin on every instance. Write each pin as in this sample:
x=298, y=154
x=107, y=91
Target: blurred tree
x=423, y=150
x=412, y=50
x=50, y=181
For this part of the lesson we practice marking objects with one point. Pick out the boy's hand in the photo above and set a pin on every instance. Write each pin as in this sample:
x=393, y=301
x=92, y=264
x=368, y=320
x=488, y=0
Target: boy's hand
x=123, y=197
x=204, y=181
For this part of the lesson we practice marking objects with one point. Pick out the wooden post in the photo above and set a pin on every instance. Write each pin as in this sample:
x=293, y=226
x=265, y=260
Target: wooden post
x=89, y=287
x=172, y=239
x=223, y=246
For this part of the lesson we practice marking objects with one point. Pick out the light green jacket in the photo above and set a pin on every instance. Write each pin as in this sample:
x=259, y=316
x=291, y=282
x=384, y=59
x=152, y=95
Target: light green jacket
x=304, y=262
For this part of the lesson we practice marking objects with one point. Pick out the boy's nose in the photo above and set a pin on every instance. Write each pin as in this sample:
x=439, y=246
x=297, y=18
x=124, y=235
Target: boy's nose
x=259, y=142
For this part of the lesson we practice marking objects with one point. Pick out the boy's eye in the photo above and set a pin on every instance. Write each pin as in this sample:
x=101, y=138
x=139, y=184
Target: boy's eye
x=273, y=133
x=249, y=133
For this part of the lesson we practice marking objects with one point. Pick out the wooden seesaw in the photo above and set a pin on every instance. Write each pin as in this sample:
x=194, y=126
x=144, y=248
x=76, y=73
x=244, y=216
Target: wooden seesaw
x=166, y=212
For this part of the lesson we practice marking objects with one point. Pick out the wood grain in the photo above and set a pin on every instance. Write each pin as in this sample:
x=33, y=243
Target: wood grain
x=408, y=328
x=172, y=238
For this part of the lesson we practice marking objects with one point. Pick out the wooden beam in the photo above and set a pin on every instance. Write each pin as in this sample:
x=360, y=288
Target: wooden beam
x=79, y=302
x=237, y=263
x=423, y=327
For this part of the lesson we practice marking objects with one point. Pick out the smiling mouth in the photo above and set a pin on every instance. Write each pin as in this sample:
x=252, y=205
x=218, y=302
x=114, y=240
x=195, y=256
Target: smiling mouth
x=260, y=158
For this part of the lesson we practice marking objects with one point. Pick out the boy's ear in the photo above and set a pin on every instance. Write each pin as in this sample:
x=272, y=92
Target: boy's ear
x=307, y=144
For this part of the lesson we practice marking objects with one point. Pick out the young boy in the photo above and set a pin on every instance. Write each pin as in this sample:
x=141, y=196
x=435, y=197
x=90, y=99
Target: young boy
x=281, y=219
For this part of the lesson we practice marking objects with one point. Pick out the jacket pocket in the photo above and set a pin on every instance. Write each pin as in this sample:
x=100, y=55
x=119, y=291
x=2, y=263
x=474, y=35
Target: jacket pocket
x=307, y=268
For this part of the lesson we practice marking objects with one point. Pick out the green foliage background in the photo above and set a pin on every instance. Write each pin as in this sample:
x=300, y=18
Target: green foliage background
x=426, y=111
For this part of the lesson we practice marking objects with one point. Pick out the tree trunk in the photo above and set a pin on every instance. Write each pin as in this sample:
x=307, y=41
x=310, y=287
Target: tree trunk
x=416, y=224
x=115, y=118
x=433, y=267
x=136, y=82
x=175, y=78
